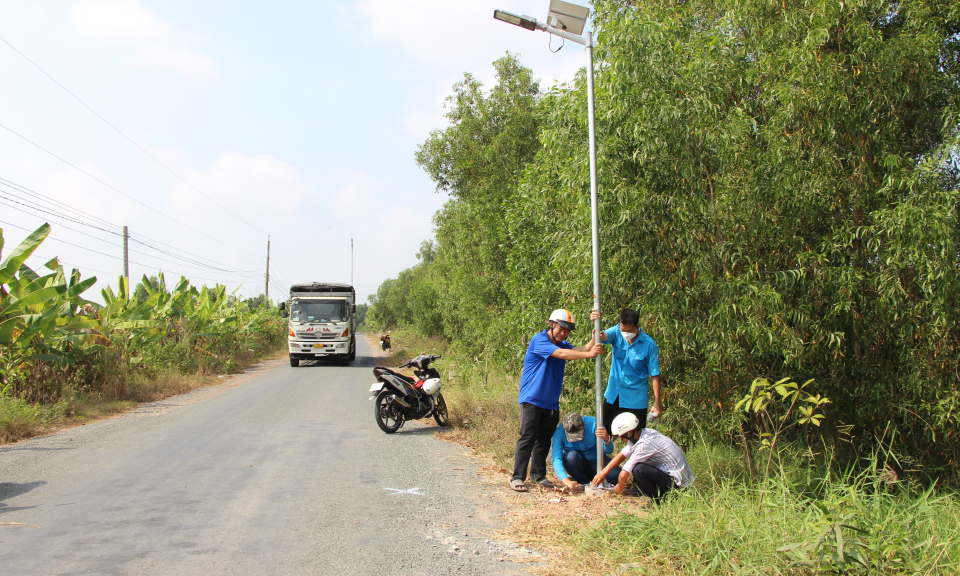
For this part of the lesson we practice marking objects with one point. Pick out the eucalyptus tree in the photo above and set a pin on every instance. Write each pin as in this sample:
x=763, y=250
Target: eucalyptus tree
x=478, y=160
x=776, y=200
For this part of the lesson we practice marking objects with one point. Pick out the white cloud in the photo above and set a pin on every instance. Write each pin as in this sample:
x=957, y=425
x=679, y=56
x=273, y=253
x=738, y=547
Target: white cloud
x=436, y=31
x=464, y=33
x=252, y=187
x=359, y=195
x=463, y=36
x=151, y=41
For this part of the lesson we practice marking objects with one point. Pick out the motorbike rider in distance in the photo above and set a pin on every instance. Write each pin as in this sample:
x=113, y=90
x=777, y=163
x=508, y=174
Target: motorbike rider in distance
x=385, y=341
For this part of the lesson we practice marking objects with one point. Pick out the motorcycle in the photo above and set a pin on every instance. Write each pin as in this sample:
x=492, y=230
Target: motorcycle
x=399, y=398
x=384, y=341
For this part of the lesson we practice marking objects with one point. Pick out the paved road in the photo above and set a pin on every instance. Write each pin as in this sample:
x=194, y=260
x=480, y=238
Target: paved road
x=284, y=474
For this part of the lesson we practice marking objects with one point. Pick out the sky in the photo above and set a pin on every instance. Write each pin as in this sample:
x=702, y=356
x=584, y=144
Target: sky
x=207, y=126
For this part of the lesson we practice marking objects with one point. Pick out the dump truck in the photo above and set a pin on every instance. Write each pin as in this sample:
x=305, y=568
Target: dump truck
x=321, y=322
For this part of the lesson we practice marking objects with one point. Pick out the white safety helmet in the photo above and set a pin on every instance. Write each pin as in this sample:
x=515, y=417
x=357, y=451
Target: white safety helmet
x=563, y=317
x=431, y=386
x=624, y=423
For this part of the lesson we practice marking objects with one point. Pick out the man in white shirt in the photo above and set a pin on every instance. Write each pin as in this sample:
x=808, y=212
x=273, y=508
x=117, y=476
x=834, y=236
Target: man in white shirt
x=655, y=462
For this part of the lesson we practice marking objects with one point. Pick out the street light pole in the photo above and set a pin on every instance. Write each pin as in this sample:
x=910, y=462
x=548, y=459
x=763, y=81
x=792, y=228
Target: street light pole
x=595, y=229
x=530, y=23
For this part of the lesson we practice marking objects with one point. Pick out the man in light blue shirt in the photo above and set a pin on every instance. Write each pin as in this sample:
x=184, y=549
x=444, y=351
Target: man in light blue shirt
x=634, y=368
x=575, y=451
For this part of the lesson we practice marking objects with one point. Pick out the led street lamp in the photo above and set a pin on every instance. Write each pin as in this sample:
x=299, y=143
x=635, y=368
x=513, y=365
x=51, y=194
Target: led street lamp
x=527, y=22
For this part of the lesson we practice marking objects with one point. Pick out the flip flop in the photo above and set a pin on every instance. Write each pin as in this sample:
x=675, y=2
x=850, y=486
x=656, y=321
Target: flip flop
x=518, y=485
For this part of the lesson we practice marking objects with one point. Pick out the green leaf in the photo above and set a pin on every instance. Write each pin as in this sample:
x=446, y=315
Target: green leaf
x=12, y=263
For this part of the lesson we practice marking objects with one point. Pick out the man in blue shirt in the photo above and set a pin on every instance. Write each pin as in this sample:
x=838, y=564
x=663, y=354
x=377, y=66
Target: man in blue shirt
x=540, y=387
x=636, y=360
x=575, y=451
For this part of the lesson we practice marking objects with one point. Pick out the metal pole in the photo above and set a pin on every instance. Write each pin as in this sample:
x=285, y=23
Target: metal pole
x=596, y=234
x=266, y=284
x=351, y=261
x=126, y=264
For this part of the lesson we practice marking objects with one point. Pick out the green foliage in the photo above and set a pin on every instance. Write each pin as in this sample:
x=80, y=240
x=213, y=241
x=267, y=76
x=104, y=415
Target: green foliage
x=140, y=293
x=54, y=343
x=778, y=194
x=361, y=315
x=845, y=525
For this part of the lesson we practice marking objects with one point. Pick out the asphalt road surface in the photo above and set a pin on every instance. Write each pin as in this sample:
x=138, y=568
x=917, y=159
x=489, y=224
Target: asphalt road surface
x=286, y=473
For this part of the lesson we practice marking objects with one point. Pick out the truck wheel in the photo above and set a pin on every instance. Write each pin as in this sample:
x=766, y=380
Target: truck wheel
x=353, y=354
x=294, y=361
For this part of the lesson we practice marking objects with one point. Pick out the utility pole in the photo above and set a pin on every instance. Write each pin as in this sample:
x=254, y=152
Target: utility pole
x=351, y=261
x=126, y=263
x=266, y=283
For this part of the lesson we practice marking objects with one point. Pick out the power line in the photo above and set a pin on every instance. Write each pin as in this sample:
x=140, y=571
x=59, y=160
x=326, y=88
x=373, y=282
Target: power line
x=45, y=198
x=27, y=140
x=117, y=257
x=51, y=213
x=199, y=265
x=68, y=228
x=128, y=138
x=189, y=261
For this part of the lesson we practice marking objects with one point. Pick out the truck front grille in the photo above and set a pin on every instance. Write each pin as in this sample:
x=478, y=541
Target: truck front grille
x=318, y=336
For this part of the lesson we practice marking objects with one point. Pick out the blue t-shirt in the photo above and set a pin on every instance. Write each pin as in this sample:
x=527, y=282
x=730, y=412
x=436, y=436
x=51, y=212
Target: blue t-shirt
x=587, y=446
x=631, y=368
x=542, y=378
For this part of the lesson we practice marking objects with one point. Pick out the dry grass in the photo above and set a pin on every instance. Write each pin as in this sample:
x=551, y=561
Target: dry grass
x=546, y=520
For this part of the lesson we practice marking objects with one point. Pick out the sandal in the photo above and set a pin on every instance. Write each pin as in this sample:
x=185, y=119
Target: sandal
x=517, y=485
x=545, y=483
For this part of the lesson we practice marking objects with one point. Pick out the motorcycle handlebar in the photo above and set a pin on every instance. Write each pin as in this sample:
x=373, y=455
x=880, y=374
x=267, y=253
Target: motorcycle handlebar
x=416, y=361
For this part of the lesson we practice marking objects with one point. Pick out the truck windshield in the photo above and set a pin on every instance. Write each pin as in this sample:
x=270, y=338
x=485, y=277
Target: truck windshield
x=318, y=311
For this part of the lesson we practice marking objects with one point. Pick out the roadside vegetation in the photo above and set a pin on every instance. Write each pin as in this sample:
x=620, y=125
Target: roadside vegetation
x=779, y=191
x=66, y=360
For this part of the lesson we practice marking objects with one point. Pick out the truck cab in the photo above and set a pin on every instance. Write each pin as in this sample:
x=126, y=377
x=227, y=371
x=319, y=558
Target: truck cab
x=321, y=322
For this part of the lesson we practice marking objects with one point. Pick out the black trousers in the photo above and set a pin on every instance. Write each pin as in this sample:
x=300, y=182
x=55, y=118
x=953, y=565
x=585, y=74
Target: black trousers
x=610, y=411
x=536, y=434
x=583, y=470
x=651, y=481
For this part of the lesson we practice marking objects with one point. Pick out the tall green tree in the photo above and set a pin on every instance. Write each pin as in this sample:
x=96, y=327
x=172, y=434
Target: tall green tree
x=478, y=160
x=778, y=197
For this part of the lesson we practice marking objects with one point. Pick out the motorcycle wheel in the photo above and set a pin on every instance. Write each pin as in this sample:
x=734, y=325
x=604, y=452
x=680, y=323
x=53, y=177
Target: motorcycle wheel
x=440, y=411
x=388, y=418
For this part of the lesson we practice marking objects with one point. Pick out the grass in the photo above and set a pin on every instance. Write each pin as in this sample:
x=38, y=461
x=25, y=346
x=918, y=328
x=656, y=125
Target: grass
x=807, y=518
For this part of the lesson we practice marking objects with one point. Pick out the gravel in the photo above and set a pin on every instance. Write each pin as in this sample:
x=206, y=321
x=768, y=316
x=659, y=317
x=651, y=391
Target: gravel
x=286, y=473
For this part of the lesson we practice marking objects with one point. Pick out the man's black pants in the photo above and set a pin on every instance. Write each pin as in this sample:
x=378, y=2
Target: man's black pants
x=651, y=481
x=610, y=411
x=583, y=471
x=536, y=433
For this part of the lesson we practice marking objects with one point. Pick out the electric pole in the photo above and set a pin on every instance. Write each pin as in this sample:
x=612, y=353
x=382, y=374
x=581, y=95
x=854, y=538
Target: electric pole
x=126, y=264
x=266, y=283
x=351, y=261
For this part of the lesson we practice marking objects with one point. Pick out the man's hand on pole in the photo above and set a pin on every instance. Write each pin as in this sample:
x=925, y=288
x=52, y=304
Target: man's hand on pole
x=594, y=316
x=602, y=434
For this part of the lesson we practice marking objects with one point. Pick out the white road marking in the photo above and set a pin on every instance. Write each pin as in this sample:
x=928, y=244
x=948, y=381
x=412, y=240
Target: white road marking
x=395, y=491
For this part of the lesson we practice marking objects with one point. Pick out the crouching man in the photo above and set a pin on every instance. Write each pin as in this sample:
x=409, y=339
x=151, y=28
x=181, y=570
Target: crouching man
x=575, y=450
x=654, y=462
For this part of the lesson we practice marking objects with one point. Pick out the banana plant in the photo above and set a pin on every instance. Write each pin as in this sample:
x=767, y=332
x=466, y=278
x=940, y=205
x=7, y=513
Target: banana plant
x=43, y=313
